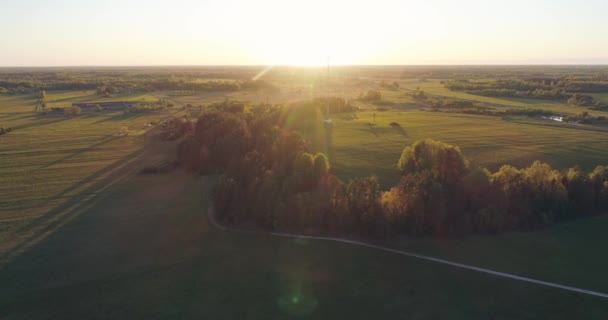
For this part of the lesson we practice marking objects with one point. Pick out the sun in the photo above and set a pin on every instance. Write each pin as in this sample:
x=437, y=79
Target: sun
x=306, y=33
x=345, y=32
x=308, y=45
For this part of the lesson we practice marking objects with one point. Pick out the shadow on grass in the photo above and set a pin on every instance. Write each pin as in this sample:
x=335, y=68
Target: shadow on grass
x=81, y=151
x=74, y=99
x=400, y=130
x=42, y=121
x=372, y=128
x=120, y=117
x=47, y=224
x=351, y=116
x=17, y=116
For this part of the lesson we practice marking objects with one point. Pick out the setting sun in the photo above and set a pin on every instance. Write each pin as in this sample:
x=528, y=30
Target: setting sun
x=382, y=32
x=303, y=159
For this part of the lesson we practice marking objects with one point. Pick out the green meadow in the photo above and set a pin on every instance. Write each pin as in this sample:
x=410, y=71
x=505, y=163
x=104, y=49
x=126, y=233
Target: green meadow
x=363, y=146
x=81, y=230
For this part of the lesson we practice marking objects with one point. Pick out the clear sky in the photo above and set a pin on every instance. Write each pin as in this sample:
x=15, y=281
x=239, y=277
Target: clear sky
x=259, y=32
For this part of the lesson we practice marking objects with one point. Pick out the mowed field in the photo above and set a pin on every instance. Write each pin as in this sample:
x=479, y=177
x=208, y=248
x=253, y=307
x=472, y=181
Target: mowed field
x=434, y=88
x=82, y=235
x=46, y=161
x=361, y=149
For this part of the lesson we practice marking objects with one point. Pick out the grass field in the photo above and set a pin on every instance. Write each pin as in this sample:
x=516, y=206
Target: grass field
x=144, y=249
x=47, y=160
x=83, y=236
x=435, y=88
x=361, y=149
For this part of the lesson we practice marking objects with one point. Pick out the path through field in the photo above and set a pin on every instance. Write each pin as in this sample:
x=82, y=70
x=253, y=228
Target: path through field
x=213, y=221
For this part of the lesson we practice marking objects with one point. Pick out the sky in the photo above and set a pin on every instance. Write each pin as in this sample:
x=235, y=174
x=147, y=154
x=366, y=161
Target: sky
x=309, y=32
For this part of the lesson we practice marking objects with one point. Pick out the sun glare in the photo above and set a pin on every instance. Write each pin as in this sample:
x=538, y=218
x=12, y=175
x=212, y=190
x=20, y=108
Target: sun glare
x=310, y=33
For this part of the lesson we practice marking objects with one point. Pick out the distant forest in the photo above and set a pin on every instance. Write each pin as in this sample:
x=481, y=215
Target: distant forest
x=125, y=81
x=271, y=179
x=571, y=90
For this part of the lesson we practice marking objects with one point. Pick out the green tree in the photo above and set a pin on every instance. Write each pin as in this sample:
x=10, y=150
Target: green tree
x=444, y=161
x=364, y=204
x=321, y=165
x=582, y=100
x=41, y=102
x=598, y=178
x=580, y=192
x=303, y=178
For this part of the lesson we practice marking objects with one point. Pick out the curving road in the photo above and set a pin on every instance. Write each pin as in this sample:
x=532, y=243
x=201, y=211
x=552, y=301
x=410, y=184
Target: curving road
x=214, y=222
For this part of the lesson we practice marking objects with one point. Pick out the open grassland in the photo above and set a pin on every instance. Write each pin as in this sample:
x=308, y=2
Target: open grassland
x=47, y=160
x=563, y=253
x=143, y=248
x=434, y=88
x=361, y=149
x=81, y=231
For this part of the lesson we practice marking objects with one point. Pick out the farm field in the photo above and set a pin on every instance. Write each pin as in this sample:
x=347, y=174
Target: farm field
x=77, y=223
x=361, y=150
x=47, y=160
x=300, y=160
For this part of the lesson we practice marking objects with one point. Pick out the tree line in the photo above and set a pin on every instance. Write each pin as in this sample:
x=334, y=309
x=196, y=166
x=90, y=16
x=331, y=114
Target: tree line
x=110, y=84
x=271, y=179
x=549, y=89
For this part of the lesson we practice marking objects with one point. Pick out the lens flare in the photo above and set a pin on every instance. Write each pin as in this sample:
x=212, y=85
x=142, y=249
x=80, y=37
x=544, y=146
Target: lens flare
x=297, y=304
x=262, y=73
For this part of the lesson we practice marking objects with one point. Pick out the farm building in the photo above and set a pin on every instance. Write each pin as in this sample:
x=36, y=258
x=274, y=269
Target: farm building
x=107, y=106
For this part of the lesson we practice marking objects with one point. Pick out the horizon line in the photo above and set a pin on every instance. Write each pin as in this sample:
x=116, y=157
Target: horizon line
x=314, y=65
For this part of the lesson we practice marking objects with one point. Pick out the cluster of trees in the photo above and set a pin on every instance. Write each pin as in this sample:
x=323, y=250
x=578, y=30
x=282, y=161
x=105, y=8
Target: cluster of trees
x=469, y=107
x=440, y=193
x=527, y=112
x=370, y=95
x=586, y=118
x=581, y=100
x=272, y=180
x=547, y=94
x=419, y=94
x=189, y=85
x=584, y=86
x=176, y=128
x=510, y=84
x=228, y=105
x=332, y=104
x=110, y=83
x=145, y=107
x=394, y=86
x=494, y=92
x=266, y=169
x=450, y=104
x=551, y=89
